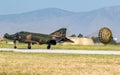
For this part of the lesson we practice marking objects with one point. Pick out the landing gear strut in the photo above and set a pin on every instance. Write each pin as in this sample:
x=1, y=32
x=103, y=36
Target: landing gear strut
x=49, y=46
x=14, y=44
x=29, y=45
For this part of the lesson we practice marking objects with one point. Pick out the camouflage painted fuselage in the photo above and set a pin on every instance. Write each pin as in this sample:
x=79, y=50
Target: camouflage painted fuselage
x=33, y=37
x=29, y=37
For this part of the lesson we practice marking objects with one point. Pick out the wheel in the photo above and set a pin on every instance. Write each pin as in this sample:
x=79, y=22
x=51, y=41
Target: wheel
x=15, y=47
x=29, y=47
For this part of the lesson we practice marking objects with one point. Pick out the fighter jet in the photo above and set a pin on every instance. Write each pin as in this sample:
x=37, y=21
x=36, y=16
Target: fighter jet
x=58, y=36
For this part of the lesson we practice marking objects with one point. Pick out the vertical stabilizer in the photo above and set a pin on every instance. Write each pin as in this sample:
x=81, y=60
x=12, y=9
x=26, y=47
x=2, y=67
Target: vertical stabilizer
x=59, y=33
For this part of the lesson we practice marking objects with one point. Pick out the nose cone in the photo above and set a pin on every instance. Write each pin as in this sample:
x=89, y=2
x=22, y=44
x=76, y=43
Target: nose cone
x=6, y=35
x=10, y=37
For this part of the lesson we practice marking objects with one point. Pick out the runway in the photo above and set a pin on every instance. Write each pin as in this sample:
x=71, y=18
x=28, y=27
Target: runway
x=63, y=51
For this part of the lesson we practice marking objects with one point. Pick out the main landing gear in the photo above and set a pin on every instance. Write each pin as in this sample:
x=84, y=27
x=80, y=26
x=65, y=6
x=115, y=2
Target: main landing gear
x=29, y=45
x=49, y=46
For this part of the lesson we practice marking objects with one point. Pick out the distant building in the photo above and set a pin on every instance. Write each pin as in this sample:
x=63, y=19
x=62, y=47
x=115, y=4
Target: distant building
x=80, y=41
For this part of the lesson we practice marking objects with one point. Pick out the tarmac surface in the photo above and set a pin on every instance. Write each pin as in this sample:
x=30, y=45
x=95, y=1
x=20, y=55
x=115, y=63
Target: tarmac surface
x=63, y=51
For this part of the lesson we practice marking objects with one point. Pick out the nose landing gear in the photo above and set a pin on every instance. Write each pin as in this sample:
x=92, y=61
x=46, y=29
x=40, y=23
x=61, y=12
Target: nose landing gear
x=29, y=46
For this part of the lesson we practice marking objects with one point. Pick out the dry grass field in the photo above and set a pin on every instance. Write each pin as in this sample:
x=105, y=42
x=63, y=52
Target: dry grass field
x=58, y=64
x=68, y=47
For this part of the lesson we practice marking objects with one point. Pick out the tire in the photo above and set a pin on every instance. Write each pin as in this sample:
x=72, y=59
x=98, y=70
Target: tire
x=29, y=47
x=15, y=47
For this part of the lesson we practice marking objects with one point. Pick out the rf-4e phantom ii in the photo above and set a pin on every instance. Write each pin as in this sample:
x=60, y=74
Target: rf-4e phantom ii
x=58, y=36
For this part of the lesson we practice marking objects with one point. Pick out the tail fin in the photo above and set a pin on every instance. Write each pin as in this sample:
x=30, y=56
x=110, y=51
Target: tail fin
x=59, y=33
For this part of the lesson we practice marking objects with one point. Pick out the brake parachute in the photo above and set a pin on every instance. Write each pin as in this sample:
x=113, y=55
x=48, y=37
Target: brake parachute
x=105, y=35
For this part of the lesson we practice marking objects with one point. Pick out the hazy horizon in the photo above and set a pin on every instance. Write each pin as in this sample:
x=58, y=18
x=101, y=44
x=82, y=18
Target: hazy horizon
x=21, y=6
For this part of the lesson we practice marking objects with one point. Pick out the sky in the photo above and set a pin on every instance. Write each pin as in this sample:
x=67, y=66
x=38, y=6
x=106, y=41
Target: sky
x=20, y=6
